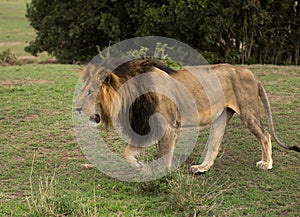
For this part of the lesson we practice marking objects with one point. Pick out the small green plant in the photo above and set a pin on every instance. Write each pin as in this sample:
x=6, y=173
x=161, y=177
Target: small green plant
x=7, y=57
x=160, y=52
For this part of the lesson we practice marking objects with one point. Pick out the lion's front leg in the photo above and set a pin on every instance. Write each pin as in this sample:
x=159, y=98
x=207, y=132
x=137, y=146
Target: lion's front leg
x=166, y=147
x=130, y=156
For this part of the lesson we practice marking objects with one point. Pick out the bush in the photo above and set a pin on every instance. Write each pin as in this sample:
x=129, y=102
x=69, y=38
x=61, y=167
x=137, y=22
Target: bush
x=7, y=57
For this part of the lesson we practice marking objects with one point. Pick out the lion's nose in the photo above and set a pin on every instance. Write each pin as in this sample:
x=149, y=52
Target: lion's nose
x=97, y=118
x=79, y=110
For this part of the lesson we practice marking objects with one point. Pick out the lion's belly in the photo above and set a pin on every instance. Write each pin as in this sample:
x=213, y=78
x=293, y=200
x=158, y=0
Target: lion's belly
x=203, y=116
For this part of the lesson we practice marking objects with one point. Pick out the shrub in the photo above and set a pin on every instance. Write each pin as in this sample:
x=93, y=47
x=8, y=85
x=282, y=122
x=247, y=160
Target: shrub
x=7, y=57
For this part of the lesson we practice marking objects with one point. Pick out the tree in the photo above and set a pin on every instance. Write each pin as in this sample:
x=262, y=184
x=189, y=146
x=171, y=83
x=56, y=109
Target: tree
x=244, y=31
x=72, y=30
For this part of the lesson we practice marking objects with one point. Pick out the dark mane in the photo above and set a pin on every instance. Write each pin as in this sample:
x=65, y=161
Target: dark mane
x=142, y=107
x=139, y=66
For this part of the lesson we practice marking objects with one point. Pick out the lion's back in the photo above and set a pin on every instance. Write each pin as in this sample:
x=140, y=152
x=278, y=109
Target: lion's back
x=217, y=86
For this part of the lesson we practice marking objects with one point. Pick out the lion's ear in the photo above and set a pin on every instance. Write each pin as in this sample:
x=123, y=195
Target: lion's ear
x=101, y=74
x=87, y=72
x=112, y=80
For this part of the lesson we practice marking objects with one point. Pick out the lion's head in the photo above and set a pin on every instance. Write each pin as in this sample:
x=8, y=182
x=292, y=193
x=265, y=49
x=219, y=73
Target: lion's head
x=97, y=94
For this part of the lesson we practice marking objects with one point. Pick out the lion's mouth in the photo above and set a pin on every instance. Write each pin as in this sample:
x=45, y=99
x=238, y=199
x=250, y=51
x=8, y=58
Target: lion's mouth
x=95, y=118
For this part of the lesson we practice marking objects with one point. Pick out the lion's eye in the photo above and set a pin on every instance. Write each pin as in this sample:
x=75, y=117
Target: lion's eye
x=89, y=92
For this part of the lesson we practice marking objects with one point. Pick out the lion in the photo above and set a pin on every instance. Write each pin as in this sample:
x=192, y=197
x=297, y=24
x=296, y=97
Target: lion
x=237, y=91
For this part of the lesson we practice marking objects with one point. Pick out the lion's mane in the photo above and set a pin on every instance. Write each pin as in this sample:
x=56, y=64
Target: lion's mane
x=138, y=109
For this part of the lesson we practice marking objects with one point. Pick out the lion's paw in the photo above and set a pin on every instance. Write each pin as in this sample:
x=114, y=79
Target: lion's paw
x=264, y=165
x=138, y=166
x=198, y=169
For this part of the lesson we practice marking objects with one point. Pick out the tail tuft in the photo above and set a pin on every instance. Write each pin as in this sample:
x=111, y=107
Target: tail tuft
x=294, y=148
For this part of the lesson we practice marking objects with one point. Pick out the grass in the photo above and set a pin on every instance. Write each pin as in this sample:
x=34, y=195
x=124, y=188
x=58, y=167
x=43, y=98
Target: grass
x=15, y=31
x=36, y=123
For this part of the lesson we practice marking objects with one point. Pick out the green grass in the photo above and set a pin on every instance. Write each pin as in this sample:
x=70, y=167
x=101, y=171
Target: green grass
x=15, y=31
x=41, y=164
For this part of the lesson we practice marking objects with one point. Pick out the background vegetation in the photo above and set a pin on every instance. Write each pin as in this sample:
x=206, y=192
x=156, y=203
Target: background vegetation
x=244, y=31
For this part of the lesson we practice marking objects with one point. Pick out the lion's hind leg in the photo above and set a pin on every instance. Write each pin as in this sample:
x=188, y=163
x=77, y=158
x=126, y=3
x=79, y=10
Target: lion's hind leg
x=213, y=144
x=266, y=163
x=256, y=128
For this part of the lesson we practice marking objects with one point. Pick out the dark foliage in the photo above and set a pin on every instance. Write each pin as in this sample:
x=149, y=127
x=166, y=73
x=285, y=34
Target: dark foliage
x=243, y=31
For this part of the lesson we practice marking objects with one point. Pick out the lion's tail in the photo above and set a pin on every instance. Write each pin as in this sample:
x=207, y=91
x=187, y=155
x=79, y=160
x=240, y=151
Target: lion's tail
x=266, y=103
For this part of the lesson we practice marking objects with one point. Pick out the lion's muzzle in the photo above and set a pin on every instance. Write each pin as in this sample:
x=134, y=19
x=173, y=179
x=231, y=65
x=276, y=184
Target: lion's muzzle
x=95, y=118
